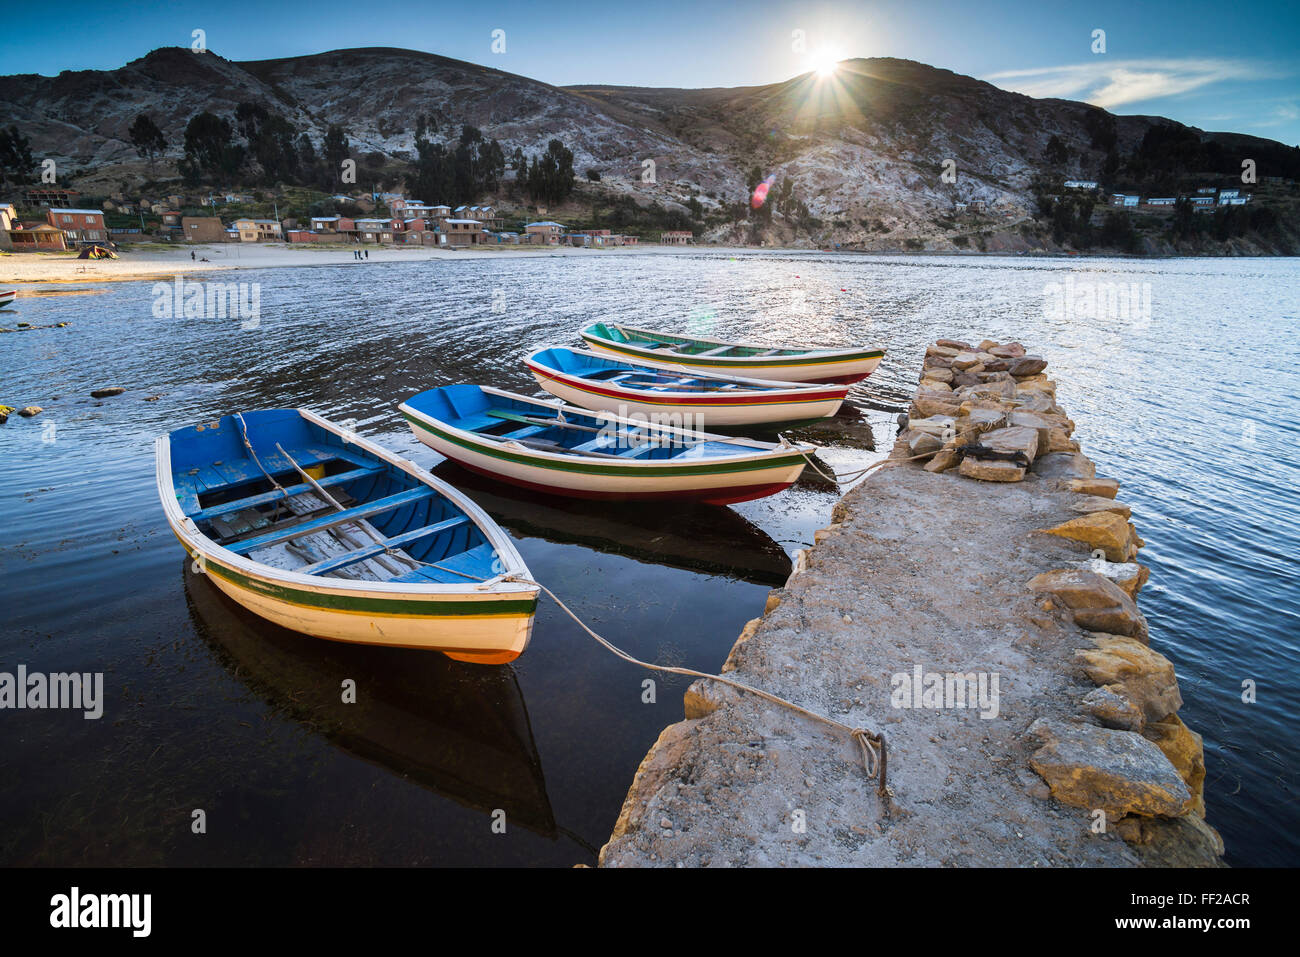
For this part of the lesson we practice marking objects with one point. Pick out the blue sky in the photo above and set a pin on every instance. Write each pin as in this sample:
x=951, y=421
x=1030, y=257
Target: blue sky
x=1214, y=65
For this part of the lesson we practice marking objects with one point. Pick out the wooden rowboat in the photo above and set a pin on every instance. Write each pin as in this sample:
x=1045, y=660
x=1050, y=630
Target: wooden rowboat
x=789, y=363
x=7, y=297
x=322, y=532
x=697, y=400
x=564, y=450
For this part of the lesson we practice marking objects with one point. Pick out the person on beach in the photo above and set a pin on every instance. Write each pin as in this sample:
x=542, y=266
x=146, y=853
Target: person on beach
x=367, y=253
x=191, y=255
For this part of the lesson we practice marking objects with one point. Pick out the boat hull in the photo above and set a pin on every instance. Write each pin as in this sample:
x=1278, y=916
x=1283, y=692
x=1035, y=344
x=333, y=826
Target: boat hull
x=698, y=410
x=7, y=298
x=844, y=367
x=466, y=626
x=720, y=482
x=485, y=622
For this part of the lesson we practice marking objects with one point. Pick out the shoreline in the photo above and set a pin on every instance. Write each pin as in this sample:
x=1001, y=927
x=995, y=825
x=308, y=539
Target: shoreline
x=974, y=567
x=167, y=263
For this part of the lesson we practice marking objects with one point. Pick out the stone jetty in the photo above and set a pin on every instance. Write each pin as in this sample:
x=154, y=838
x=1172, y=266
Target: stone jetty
x=976, y=601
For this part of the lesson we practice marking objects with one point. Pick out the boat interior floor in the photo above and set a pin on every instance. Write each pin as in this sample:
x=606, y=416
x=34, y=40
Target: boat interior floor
x=294, y=528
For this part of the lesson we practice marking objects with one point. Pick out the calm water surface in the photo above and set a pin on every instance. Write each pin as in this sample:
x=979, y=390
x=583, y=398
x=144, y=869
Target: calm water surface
x=1193, y=410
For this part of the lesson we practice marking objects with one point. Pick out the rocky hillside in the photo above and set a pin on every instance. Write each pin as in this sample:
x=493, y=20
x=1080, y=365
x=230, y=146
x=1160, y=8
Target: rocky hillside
x=865, y=149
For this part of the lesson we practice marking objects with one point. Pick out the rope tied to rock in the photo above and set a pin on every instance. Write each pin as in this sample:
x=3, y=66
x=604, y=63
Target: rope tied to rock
x=871, y=743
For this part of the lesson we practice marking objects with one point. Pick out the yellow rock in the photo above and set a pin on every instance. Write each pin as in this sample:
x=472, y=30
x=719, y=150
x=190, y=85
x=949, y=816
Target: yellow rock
x=1100, y=530
x=1185, y=750
x=1103, y=487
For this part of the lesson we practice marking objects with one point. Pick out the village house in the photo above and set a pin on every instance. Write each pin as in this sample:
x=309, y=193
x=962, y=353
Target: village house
x=305, y=236
x=1200, y=202
x=378, y=230
x=79, y=225
x=1080, y=184
x=51, y=196
x=1162, y=201
x=463, y=232
x=36, y=237
x=484, y=214
x=8, y=219
x=257, y=230
x=203, y=229
x=545, y=233
x=676, y=237
x=1127, y=200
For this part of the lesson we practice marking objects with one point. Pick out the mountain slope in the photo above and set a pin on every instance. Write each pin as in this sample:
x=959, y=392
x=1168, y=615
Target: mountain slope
x=868, y=144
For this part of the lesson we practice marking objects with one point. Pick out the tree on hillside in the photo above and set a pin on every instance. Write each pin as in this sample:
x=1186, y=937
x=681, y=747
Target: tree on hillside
x=435, y=173
x=550, y=176
x=210, y=149
x=16, y=161
x=1056, y=152
x=147, y=139
x=336, y=148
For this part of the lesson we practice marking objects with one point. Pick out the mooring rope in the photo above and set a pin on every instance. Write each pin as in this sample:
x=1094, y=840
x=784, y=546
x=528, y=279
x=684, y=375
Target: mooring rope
x=871, y=743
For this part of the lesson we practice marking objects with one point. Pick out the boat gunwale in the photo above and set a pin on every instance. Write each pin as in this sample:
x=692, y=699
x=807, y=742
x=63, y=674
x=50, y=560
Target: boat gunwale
x=762, y=451
x=767, y=387
x=804, y=350
x=486, y=591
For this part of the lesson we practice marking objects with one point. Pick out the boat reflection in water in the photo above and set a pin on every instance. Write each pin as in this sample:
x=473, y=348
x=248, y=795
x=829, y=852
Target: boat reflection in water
x=700, y=538
x=459, y=729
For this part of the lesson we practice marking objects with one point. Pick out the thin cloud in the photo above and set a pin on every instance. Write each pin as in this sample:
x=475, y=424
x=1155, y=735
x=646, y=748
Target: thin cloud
x=1109, y=84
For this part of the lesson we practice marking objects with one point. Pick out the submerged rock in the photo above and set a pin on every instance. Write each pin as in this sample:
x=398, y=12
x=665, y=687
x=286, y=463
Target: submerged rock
x=105, y=393
x=29, y=411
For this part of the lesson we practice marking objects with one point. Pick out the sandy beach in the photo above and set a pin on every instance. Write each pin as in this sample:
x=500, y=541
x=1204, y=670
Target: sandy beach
x=163, y=262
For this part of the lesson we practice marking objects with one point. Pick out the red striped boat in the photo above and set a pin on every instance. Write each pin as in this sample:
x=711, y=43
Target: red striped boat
x=603, y=383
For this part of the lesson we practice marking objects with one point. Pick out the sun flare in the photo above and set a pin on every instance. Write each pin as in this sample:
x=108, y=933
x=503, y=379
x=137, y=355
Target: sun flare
x=825, y=62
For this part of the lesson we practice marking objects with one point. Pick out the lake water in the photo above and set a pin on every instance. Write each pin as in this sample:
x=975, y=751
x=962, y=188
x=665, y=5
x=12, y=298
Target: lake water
x=1192, y=406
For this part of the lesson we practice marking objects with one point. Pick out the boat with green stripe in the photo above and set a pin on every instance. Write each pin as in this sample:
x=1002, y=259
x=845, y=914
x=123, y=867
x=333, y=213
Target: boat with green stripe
x=596, y=381
x=321, y=531
x=681, y=353
x=564, y=450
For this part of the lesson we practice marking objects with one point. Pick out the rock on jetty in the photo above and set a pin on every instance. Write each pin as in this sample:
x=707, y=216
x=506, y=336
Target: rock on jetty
x=976, y=601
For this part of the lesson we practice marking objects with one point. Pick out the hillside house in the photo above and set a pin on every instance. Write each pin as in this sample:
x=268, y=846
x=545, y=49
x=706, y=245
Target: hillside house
x=36, y=237
x=51, y=196
x=545, y=233
x=676, y=237
x=1162, y=201
x=377, y=230
x=257, y=230
x=203, y=229
x=1126, y=200
x=1080, y=184
x=463, y=232
x=79, y=225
